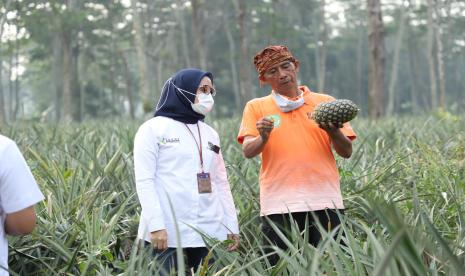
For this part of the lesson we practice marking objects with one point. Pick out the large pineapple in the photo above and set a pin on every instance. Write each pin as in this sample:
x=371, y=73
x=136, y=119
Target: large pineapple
x=336, y=112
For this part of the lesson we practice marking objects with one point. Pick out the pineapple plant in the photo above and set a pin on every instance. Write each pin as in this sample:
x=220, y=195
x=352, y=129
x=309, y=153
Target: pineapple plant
x=336, y=112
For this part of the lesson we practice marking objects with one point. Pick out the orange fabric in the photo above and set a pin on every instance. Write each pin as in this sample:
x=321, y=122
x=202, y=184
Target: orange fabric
x=298, y=171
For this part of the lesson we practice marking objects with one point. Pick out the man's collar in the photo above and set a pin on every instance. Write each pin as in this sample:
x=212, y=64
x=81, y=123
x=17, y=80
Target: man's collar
x=307, y=94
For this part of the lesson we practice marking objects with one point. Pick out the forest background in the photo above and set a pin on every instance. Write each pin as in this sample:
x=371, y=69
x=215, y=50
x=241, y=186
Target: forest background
x=76, y=60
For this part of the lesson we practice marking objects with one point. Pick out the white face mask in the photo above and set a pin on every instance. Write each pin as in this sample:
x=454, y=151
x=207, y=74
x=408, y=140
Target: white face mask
x=205, y=102
x=287, y=105
x=204, y=105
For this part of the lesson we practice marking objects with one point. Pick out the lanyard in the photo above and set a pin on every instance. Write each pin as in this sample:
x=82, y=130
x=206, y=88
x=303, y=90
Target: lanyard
x=199, y=147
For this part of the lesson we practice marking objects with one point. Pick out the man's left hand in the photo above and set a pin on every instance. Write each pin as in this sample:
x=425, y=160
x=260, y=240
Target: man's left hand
x=330, y=127
x=341, y=143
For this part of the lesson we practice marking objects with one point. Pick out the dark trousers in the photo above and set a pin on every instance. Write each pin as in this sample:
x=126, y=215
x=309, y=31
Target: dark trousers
x=328, y=219
x=193, y=256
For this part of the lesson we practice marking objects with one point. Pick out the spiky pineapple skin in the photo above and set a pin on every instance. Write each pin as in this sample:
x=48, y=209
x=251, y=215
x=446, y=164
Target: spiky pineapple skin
x=336, y=112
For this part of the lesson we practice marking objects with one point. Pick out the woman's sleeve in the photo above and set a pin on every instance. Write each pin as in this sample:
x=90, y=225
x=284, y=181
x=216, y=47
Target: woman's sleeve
x=145, y=165
x=224, y=191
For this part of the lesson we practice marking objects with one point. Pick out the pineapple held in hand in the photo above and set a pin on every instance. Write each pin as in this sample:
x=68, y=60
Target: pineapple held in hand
x=336, y=112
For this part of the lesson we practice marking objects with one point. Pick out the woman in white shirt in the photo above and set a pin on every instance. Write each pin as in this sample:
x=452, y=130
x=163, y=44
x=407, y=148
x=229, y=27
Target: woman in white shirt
x=180, y=175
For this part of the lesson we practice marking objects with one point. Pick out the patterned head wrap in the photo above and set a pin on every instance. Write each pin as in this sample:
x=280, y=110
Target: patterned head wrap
x=271, y=56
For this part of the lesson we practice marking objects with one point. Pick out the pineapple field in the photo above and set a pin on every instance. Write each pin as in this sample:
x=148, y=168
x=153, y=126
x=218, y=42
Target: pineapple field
x=403, y=188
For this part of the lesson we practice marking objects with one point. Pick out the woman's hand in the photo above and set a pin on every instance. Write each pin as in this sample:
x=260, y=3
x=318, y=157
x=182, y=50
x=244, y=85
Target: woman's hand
x=236, y=240
x=159, y=239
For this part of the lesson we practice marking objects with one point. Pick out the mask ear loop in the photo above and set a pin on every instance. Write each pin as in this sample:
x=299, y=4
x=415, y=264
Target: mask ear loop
x=180, y=90
x=164, y=94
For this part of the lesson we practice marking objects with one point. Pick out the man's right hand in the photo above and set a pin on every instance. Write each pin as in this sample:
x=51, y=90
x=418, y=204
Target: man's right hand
x=253, y=145
x=159, y=239
x=264, y=127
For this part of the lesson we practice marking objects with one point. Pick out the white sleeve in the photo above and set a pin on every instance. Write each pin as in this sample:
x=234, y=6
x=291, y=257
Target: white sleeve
x=18, y=188
x=224, y=192
x=145, y=162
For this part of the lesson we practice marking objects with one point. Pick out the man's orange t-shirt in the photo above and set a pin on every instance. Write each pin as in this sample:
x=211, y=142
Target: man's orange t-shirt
x=298, y=171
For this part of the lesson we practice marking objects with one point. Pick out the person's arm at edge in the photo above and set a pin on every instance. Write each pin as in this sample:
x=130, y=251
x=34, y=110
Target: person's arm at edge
x=18, y=192
x=21, y=222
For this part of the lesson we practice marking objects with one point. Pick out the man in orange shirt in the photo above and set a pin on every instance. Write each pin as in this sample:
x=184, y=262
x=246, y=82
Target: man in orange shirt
x=298, y=179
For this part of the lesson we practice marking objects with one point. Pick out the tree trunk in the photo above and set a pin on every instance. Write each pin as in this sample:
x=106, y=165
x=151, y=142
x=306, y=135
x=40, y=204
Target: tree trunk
x=377, y=61
x=159, y=69
x=82, y=101
x=3, y=111
x=321, y=35
x=247, y=91
x=3, y=119
x=459, y=76
x=184, y=45
x=395, y=63
x=2, y=98
x=83, y=82
x=413, y=75
x=10, y=87
x=57, y=74
x=127, y=74
x=160, y=66
x=16, y=83
x=232, y=62
x=148, y=12
x=360, y=56
x=114, y=76
x=67, y=76
x=139, y=42
x=440, y=57
x=76, y=85
x=173, y=52
x=431, y=55
x=198, y=31
x=70, y=93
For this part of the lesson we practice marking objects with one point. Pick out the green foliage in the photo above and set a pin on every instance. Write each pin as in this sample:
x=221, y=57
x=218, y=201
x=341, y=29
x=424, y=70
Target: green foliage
x=100, y=35
x=403, y=188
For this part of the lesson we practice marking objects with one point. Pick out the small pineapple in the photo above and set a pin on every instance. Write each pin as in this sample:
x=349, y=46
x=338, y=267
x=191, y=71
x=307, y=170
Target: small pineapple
x=336, y=112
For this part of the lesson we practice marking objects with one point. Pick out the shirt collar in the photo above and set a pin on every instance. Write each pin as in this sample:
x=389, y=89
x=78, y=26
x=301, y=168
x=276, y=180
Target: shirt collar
x=307, y=94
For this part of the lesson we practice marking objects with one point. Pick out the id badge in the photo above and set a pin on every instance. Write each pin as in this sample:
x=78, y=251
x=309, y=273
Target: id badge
x=204, y=183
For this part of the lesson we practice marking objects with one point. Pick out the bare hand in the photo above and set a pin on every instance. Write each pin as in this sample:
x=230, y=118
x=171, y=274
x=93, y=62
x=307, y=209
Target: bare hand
x=159, y=239
x=330, y=127
x=264, y=127
x=341, y=143
x=236, y=240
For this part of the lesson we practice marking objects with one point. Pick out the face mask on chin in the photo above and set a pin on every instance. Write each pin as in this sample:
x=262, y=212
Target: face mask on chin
x=286, y=105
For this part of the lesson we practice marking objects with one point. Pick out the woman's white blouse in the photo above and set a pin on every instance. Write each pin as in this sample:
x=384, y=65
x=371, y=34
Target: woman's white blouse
x=166, y=163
